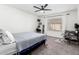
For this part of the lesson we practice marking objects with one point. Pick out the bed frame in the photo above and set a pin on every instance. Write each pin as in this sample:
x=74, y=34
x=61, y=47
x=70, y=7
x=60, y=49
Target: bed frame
x=28, y=51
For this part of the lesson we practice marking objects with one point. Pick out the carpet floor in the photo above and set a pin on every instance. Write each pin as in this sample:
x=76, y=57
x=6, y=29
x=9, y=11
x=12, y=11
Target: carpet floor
x=56, y=46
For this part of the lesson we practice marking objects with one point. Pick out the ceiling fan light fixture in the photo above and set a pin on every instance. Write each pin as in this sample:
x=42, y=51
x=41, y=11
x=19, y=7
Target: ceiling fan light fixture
x=42, y=11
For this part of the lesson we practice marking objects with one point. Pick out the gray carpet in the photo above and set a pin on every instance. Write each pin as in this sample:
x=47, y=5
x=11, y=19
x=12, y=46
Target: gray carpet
x=56, y=46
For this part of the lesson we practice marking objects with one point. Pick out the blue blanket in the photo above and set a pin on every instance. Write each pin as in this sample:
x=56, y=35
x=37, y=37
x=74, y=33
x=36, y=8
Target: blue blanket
x=27, y=39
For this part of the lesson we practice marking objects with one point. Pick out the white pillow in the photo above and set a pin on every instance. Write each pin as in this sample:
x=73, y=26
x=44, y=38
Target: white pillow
x=7, y=37
x=6, y=40
x=10, y=36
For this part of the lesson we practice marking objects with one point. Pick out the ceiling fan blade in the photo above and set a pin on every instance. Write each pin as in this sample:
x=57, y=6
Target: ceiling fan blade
x=45, y=5
x=37, y=10
x=36, y=7
x=47, y=9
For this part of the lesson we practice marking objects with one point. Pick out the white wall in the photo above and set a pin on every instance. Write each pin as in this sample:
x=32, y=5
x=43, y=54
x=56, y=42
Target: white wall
x=78, y=14
x=71, y=20
x=67, y=23
x=15, y=20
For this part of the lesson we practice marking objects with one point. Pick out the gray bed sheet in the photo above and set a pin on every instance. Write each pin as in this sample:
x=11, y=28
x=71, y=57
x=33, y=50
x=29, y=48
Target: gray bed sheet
x=27, y=39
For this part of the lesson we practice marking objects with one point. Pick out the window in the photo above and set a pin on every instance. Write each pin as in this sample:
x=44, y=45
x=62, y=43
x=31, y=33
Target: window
x=55, y=24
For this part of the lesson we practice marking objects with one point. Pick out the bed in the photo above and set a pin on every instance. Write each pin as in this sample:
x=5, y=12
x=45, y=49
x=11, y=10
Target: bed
x=22, y=43
x=28, y=41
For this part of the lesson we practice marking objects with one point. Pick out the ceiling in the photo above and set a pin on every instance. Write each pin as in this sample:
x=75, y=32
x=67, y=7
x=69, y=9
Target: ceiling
x=56, y=8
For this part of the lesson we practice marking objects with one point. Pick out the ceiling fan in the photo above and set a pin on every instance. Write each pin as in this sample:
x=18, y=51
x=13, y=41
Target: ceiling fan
x=42, y=8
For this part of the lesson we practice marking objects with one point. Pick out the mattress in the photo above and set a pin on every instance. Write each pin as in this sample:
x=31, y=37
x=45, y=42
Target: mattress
x=8, y=49
x=26, y=39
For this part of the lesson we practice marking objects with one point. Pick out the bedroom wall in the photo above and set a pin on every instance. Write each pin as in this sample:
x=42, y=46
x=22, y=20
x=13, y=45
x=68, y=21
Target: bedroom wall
x=15, y=20
x=71, y=19
x=67, y=23
x=78, y=13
